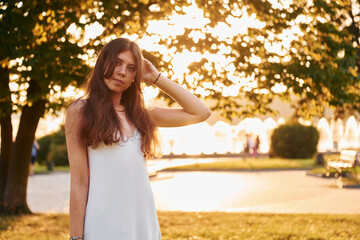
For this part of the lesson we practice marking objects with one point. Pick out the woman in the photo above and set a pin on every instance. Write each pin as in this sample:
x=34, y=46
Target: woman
x=109, y=135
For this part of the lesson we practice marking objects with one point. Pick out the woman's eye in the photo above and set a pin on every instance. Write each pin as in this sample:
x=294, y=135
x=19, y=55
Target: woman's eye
x=132, y=69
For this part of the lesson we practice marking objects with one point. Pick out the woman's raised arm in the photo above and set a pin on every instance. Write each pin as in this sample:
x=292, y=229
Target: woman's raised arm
x=193, y=110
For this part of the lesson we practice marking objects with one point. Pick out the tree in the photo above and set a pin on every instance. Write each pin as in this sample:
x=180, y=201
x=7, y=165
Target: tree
x=309, y=49
x=40, y=56
x=43, y=57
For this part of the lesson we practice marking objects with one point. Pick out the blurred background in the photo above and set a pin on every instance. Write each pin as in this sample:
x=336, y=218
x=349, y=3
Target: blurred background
x=256, y=64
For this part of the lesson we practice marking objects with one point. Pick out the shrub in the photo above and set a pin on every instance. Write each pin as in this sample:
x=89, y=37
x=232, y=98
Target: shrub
x=294, y=141
x=53, y=149
x=44, y=143
x=58, y=155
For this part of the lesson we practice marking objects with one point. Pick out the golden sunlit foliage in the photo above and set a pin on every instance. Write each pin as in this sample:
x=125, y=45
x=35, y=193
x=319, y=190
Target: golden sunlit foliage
x=306, y=49
x=238, y=48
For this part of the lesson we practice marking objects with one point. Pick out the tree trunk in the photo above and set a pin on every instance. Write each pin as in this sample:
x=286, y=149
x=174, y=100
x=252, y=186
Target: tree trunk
x=6, y=129
x=16, y=184
x=5, y=155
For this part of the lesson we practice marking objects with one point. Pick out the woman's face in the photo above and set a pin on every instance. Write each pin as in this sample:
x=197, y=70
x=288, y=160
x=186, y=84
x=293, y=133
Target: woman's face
x=124, y=72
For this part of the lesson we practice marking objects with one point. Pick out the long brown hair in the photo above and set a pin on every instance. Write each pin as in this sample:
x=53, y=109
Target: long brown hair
x=100, y=120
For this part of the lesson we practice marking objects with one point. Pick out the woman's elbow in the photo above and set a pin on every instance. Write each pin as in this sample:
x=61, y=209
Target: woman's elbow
x=205, y=114
x=80, y=180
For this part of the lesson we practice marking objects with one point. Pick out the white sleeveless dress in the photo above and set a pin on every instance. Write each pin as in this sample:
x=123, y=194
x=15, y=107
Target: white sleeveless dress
x=120, y=202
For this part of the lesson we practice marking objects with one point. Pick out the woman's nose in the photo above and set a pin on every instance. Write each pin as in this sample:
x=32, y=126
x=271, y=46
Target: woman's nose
x=121, y=71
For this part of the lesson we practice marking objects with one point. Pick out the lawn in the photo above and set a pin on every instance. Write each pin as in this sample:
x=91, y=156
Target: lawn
x=43, y=169
x=247, y=164
x=202, y=225
x=227, y=164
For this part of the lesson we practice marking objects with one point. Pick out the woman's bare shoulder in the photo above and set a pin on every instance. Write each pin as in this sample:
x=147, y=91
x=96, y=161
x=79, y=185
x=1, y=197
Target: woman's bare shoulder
x=74, y=110
x=76, y=106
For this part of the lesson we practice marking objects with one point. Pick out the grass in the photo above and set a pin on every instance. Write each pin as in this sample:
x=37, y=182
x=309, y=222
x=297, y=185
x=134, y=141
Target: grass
x=36, y=226
x=248, y=164
x=202, y=225
x=39, y=169
x=230, y=164
x=322, y=170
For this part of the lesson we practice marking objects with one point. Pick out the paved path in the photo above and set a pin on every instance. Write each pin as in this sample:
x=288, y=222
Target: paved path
x=261, y=191
x=49, y=192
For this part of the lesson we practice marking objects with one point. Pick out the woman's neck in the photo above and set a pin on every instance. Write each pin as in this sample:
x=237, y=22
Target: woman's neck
x=116, y=98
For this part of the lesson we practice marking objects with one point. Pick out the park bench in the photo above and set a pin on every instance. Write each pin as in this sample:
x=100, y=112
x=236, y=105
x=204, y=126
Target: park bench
x=348, y=159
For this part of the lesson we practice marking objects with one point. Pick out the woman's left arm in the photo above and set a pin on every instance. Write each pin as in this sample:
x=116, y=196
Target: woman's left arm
x=193, y=110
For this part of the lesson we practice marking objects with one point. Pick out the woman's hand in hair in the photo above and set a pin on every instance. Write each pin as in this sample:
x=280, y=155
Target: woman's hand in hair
x=150, y=72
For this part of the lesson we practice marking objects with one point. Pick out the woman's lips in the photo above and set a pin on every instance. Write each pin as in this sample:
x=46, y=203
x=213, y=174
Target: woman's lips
x=118, y=81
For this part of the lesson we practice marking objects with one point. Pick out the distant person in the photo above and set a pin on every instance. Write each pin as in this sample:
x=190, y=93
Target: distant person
x=109, y=134
x=35, y=148
x=249, y=144
x=256, y=146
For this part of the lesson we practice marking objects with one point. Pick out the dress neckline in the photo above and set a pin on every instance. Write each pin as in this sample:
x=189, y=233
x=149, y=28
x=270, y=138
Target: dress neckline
x=126, y=138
